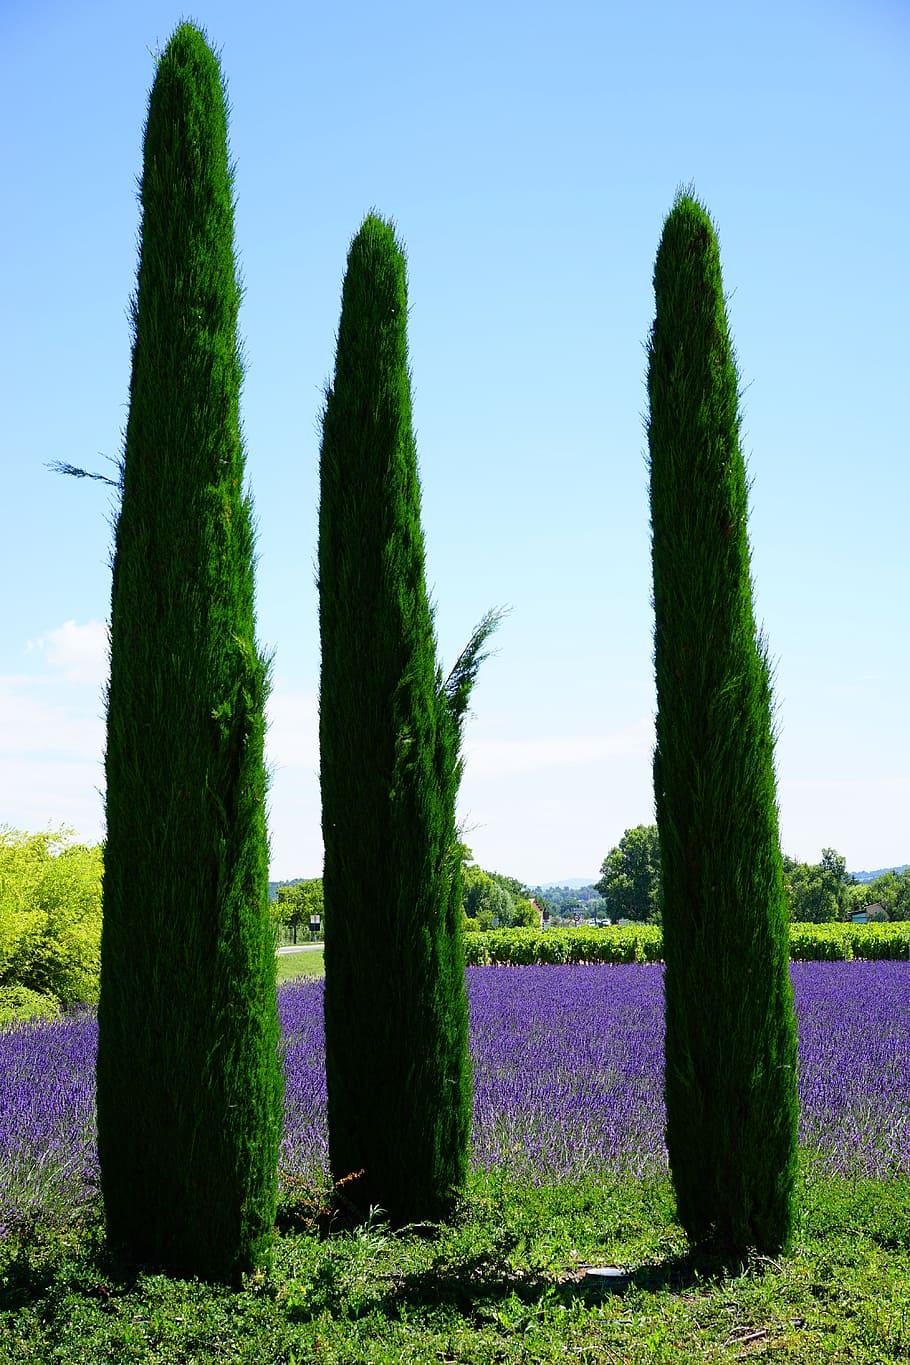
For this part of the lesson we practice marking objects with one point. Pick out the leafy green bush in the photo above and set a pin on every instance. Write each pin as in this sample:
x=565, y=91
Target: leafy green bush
x=18, y=1005
x=846, y=941
x=50, y=915
x=644, y=943
x=522, y=947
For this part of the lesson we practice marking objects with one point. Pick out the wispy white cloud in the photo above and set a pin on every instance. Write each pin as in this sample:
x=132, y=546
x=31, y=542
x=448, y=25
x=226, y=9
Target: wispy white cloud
x=78, y=652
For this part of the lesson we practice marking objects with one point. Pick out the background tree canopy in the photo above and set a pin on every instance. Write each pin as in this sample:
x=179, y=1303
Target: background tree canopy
x=817, y=893
x=562, y=904
x=293, y=905
x=630, y=877
x=629, y=888
x=490, y=899
x=891, y=890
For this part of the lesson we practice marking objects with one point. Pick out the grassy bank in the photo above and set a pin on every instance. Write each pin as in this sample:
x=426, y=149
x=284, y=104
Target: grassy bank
x=289, y=966
x=503, y=1283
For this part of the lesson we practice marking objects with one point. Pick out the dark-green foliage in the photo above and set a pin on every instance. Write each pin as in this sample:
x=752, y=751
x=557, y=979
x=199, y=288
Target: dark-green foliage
x=730, y=1030
x=189, y=1079
x=399, y=1083
x=630, y=876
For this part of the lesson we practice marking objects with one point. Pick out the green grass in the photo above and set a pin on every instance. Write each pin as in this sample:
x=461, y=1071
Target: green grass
x=291, y=965
x=501, y=1283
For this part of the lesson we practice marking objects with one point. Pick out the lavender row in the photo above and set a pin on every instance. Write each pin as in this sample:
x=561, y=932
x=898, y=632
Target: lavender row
x=568, y=1079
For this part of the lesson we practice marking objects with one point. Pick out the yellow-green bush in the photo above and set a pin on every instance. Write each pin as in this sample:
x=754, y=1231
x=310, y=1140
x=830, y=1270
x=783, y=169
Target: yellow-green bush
x=813, y=941
x=644, y=943
x=50, y=915
x=19, y=1005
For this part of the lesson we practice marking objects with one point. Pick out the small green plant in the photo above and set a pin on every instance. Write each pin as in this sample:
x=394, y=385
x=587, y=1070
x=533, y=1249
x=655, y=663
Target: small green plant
x=18, y=1005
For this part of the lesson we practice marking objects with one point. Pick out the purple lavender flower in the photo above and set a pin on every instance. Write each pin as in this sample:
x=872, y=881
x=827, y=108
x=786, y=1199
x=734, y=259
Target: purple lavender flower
x=568, y=1070
x=48, y=1154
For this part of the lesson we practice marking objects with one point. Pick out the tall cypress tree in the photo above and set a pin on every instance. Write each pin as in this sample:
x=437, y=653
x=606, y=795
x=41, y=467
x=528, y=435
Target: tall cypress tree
x=730, y=1078
x=399, y=1084
x=189, y=1080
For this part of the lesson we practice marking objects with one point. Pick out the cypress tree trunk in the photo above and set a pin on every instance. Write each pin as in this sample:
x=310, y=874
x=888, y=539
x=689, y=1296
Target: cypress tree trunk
x=730, y=1033
x=399, y=1084
x=189, y=1081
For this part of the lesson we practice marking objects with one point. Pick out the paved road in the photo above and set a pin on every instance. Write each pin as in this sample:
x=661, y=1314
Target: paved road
x=300, y=948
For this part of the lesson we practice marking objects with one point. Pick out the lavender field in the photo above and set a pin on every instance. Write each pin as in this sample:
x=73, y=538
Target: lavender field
x=568, y=1079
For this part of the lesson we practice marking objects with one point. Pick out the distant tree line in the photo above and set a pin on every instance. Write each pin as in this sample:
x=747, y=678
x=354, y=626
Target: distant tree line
x=489, y=900
x=815, y=893
x=570, y=904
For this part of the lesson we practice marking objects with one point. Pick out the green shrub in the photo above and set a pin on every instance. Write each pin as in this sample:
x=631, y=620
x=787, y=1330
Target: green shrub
x=644, y=943
x=819, y=942
x=524, y=947
x=880, y=940
x=846, y=941
x=50, y=915
x=19, y=1005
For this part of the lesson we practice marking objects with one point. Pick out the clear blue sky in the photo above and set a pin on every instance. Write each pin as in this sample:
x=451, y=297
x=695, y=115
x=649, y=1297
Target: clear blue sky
x=528, y=154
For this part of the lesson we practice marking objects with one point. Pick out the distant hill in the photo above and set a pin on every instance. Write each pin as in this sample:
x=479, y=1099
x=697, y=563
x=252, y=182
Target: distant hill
x=879, y=872
x=585, y=883
x=574, y=884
